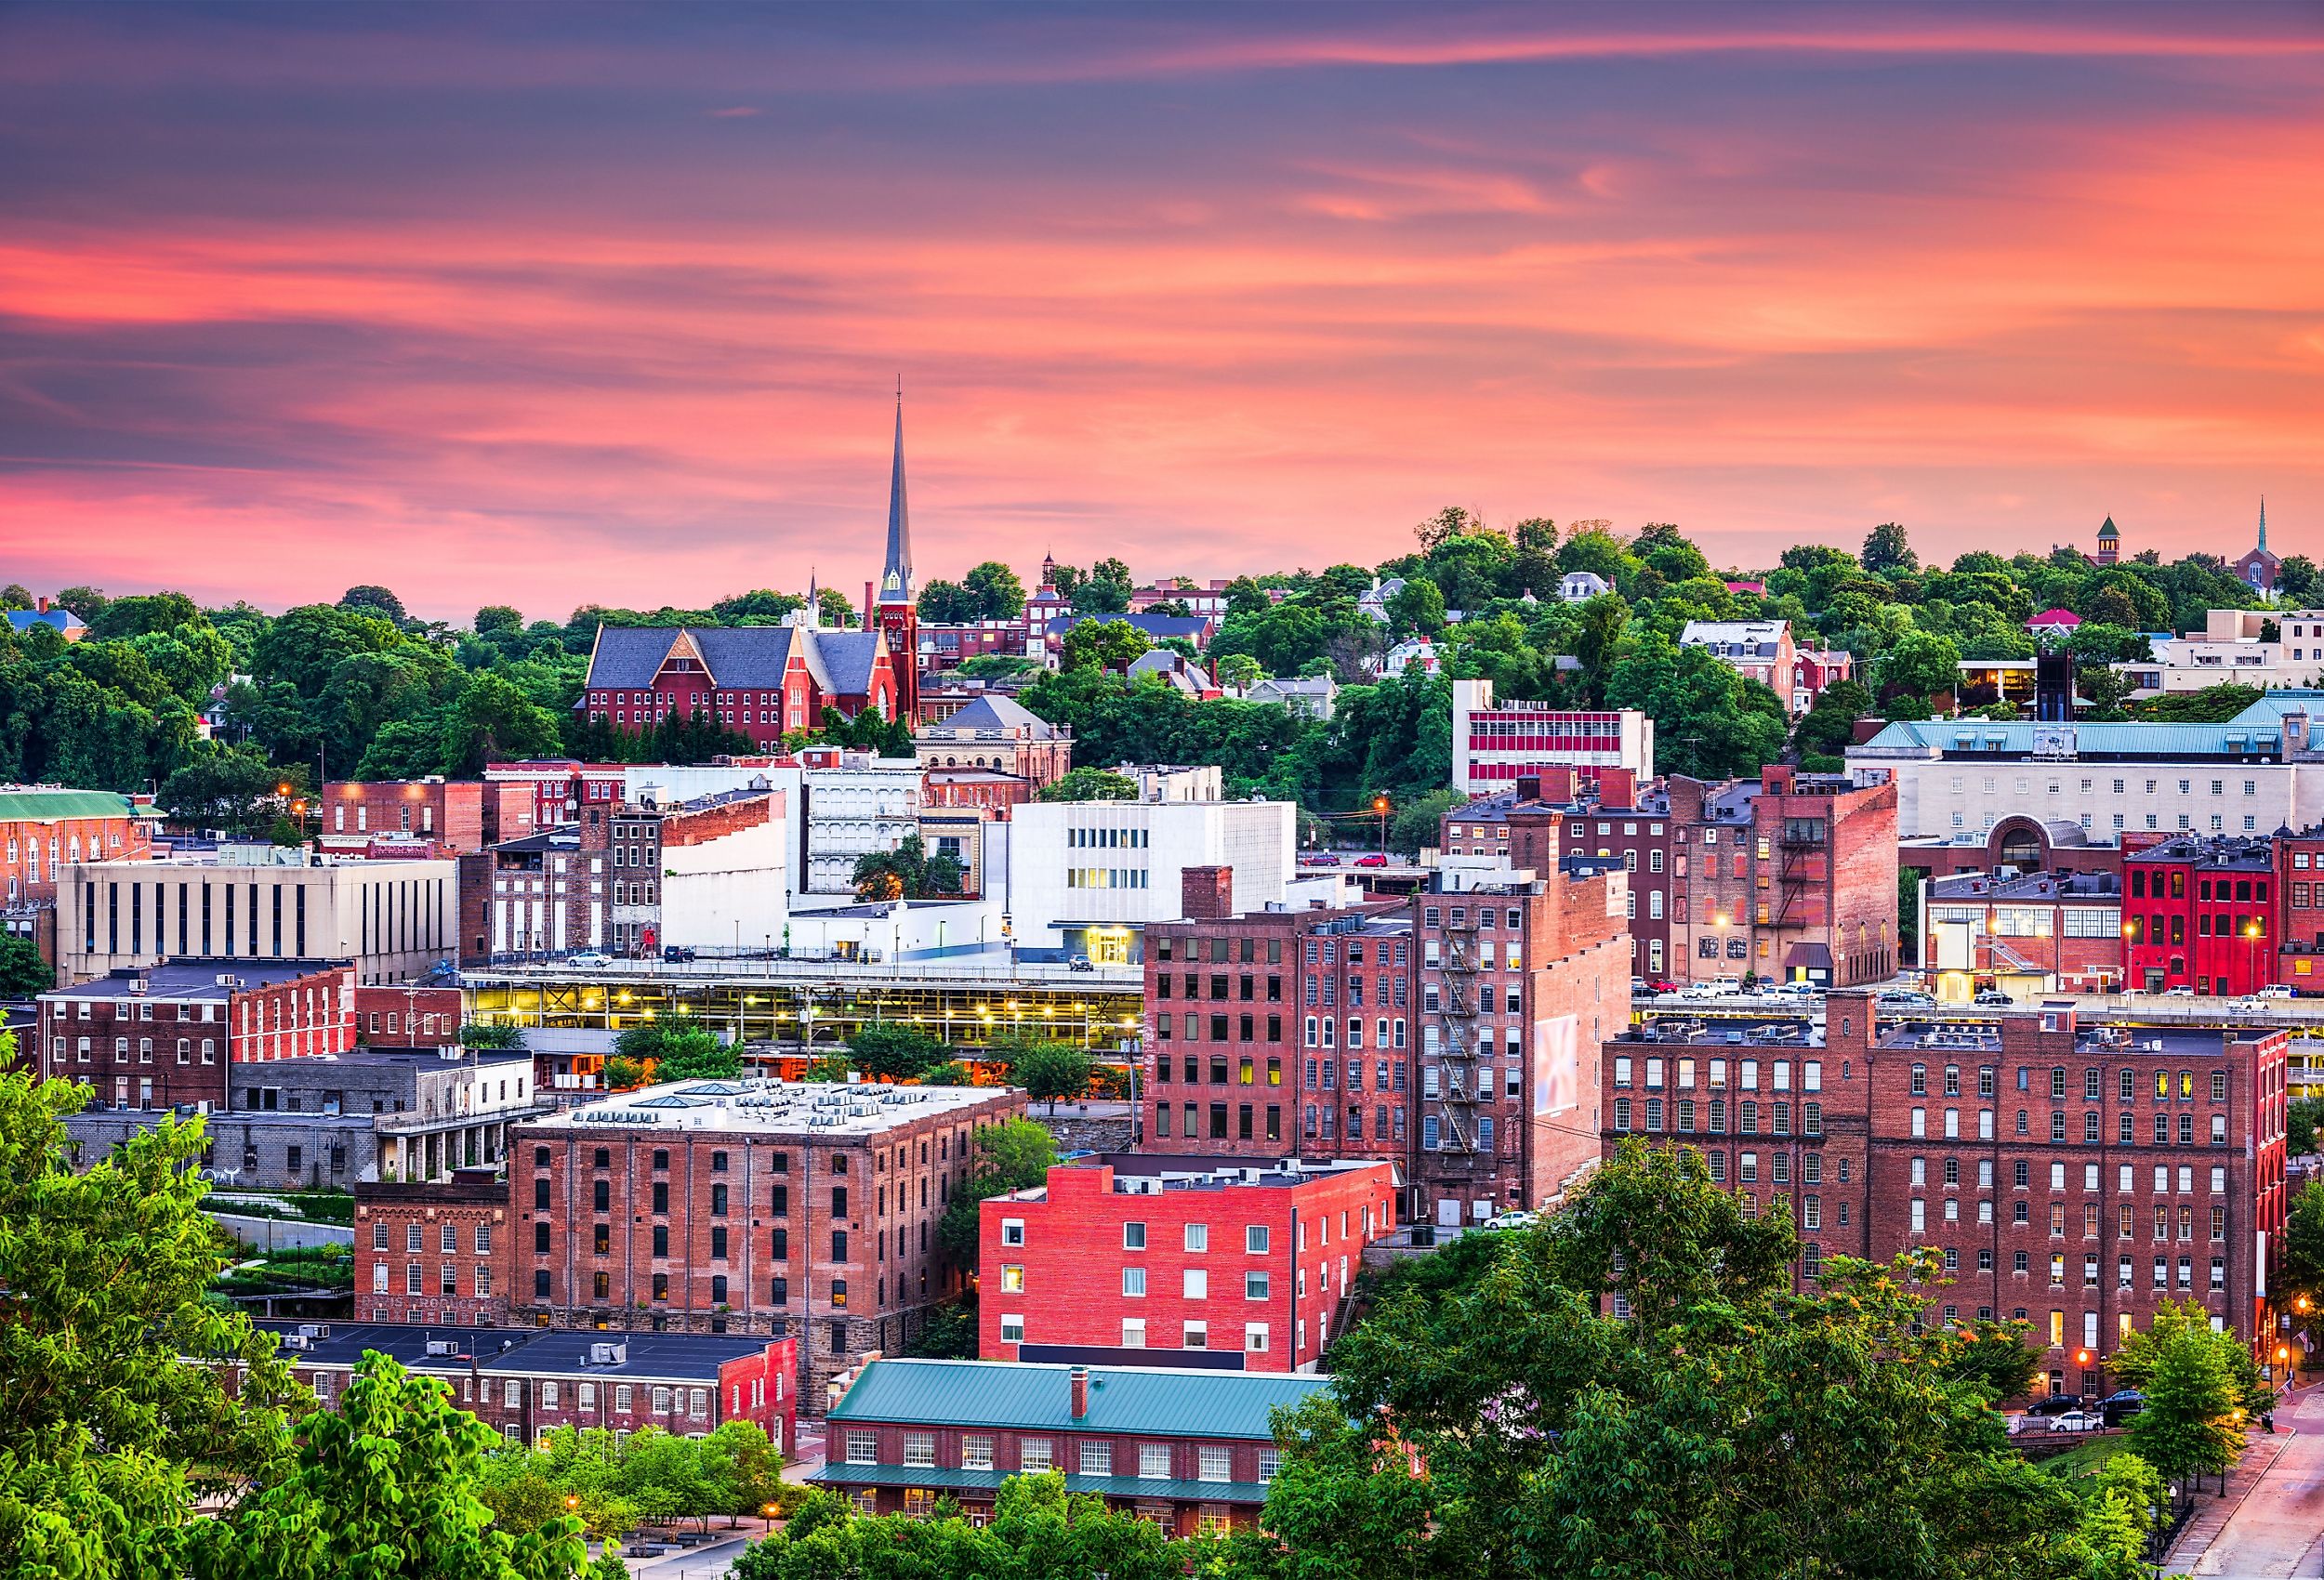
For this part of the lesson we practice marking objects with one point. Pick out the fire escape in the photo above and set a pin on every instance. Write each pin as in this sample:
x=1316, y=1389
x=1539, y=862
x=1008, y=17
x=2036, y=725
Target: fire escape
x=1458, y=1010
x=1803, y=864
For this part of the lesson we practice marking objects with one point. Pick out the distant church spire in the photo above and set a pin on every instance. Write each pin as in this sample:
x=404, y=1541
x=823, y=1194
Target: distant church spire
x=814, y=611
x=895, y=575
x=2263, y=524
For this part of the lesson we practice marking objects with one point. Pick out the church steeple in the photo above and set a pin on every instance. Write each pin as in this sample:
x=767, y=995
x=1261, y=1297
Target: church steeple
x=895, y=575
x=2263, y=524
x=813, y=612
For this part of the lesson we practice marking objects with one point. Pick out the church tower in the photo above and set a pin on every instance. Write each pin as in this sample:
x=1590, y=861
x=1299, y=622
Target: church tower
x=893, y=609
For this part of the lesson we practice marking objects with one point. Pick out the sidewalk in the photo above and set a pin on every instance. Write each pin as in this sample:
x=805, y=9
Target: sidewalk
x=2212, y=1510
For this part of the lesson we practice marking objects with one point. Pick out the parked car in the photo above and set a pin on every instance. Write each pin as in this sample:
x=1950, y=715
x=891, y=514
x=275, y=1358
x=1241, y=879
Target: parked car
x=1082, y=963
x=676, y=954
x=2178, y=993
x=2077, y=1421
x=1660, y=985
x=1995, y=997
x=589, y=959
x=1718, y=987
x=1320, y=859
x=1374, y=860
x=1513, y=1221
x=2055, y=1404
x=1637, y=986
x=1906, y=998
x=2117, y=1408
x=1798, y=990
x=2278, y=990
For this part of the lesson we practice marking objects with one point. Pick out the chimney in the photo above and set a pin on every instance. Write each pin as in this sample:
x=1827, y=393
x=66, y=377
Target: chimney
x=1206, y=893
x=1080, y=1377
x=1617, y=787
x=1528, y=789
x=44, y=603
x=1775, y=779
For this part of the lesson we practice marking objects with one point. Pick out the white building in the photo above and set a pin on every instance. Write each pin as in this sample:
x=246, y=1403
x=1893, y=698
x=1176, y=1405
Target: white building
x=841, y=805
x=1956, y=778
x=730, y=891
x=1757, y=649
x=1087, y=877
x=1314, y=698
x=1495, y=743
x=1580, y=586
x=394, y=919
x=2229, y=651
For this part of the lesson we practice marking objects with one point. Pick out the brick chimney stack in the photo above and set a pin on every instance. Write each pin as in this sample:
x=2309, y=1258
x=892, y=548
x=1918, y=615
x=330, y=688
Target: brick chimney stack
x=1081, y=1393
x=1206, y=893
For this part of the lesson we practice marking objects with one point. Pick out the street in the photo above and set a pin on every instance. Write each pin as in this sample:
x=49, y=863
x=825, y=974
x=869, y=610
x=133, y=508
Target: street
x=2279, y=1529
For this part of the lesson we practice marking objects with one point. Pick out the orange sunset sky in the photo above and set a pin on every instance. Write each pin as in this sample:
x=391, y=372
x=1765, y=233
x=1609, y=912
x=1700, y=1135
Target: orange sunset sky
x=559, y=305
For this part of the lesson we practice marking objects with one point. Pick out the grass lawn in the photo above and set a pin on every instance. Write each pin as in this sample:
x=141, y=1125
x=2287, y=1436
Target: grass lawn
x=2086, y=1460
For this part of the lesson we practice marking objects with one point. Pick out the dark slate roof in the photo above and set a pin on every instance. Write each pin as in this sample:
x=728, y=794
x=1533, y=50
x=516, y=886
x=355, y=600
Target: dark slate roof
x=630, y=656
x=848, y=657
x=1035, y=1396
x=999, y=712
x=1155, y=626
x=666, y=1357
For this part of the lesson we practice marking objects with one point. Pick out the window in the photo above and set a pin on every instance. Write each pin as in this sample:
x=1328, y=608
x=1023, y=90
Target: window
x=1034, y=1455
x=1134, y=1282
x=1198, y=1237
x=919, y=1448
x=1215, y=1462
x=1133, y=1236
x=863, y=1448
x=1255, y=1240
x=1255, y=1287
x=1096, y=1459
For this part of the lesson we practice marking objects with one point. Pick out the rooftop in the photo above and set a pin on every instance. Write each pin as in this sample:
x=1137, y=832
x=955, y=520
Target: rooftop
x=2025, y=886
x=196, y=979
x=48, y=803
x=1140, y=1174
x=2240, y=853
x=650, y=1357
x=771, y=1107
x=1037, y=1396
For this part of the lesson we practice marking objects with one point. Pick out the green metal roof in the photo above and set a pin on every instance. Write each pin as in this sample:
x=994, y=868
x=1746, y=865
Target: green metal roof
x=50, y=806
x=957, y=1482
x=1036, y=1396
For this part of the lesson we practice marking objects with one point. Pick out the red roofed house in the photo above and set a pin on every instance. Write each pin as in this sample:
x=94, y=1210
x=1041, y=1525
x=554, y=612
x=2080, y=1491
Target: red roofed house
x=2060, y=621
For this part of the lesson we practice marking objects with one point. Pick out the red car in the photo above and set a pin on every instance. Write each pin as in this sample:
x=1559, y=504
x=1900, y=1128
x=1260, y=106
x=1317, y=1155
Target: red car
x=1375, y=860
x=1658, y=985
x=1323, y=859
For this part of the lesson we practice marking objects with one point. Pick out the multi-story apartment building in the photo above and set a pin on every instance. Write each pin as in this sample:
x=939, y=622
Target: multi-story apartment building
x=560, y=791
x=2198, y=913
x=2232, y=649
x=1497, y=744
x=434, y=1250
x=449, y=816
x=2026, y=933
x=545, y=894
x=1238, y=1007
x=525, y=1382
x=710, y=872
x=1194, y=1258
x=1192, y=1451
x=855, y=803
x=751, y=1206
x=42, y=828
x=1791, y=875
x=1521, y=974
x=2070, y=1174
x=2299, y=928
x=394, y=919
x=1612, y=818
x=167, y=1035
x=407, y=1014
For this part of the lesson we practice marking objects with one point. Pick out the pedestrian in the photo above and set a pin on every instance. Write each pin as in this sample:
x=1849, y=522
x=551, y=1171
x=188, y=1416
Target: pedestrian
x=2267, y=1421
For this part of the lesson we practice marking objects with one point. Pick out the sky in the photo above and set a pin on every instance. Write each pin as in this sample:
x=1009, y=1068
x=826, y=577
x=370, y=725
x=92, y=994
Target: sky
x=555, y=305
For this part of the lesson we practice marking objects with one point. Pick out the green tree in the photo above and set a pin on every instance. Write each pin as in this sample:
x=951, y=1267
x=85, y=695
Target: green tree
x=1240, y=671
x=2301, y=1120
x=1048, y=1070
x=495, y=722
x=491, y=1034
x=623, y=1073
x=1419, y=821
x=23, y=974
x=999, y=596
x=384, y=1484
x=1419, y=605
x=908, y=871
x=1887, y=552
x=114, y=1409
x=1103, y=644
x=375, y=601
x=230, y=789
x=1920, y=665
x=1829, y=726
x=899, y=1052
x=2192, y=1423
x=1014, y=1155
x=1090, y=785
x=946, y=604
x=691, y=1053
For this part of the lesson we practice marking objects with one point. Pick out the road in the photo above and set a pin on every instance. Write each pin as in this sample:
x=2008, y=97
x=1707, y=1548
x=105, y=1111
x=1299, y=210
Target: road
x=2279, y=1530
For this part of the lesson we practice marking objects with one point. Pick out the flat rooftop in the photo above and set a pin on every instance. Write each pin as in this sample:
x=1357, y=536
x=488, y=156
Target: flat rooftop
x=200, y=978
x=803, y=1110
x=644, y=1357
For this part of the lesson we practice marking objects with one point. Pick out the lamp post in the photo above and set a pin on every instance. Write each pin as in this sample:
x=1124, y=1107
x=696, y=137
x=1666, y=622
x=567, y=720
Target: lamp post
x=1380, y=811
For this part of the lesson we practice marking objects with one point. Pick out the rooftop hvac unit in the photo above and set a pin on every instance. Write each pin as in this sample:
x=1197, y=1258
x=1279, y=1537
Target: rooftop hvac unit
x=296, y=1341
x=314, y=1330
x=607, y=1354
x=442, y=1346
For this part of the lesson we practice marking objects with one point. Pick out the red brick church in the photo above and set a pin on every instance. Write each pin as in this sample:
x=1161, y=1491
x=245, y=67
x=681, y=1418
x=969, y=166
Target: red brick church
x=763, y=681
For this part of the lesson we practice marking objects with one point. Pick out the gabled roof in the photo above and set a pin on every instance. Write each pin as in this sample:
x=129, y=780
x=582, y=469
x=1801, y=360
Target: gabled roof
x=848, y=659
x=53, y=806
x=1036, y=1396
x=2055, y=617
x=630, y=656
x=62, y=619
x=745, y=655
x=1155, y=626
x=999, y=713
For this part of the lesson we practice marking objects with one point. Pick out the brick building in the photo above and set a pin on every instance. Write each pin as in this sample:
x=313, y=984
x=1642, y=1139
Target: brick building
x=2197, y=913
x=408, y=1016
x=434, y=1251
x=1193, y=1258
x=757, y=680
x=1237, y=1011
x=750, y=1207
x=999, y=734
x=560, y=791
x=450, y=816
x=167, y=1035
x=2034, y=932
x=1612, y=817
x=1757, y=649
x=1790, y=876
x=2298, y=878
x=546, y=894
x=1192, y=1450
x=42, y=828
x=1495, y=743
x=526, y=1382
x=2071, y=1174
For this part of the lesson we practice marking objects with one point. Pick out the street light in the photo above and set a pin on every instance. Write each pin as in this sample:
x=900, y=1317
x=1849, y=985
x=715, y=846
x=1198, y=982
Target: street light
x=1380, y=811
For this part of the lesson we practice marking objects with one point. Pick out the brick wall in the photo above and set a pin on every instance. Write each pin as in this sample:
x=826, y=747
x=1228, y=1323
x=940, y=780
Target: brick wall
x=433, y=1252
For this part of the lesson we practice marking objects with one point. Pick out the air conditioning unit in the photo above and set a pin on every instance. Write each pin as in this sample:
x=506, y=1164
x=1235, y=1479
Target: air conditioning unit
x=442, y=1346
x=296, y=1341
x=607, y=1354
x=314, y=1330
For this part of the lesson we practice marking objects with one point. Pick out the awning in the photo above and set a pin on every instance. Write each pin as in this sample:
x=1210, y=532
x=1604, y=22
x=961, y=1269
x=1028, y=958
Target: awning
x=1808, y=956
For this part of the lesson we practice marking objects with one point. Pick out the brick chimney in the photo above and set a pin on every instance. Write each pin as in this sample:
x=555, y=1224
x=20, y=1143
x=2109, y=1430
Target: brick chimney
x=1775, y=779
x=44, y=603
x=1081, y=1382
x=1206, y=893
x=1617, y=787
x=1529, y=789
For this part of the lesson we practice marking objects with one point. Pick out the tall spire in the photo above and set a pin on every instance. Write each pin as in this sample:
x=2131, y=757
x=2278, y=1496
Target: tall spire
x=895, y=576
x=2263, y=524
x=813, y=612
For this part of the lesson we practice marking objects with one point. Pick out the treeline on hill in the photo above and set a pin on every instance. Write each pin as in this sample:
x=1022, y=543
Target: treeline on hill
x=363, y=688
